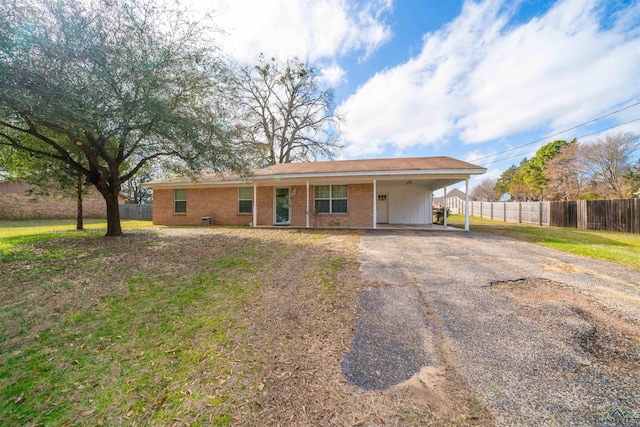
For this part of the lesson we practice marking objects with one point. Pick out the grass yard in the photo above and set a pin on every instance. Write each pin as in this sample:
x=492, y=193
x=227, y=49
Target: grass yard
x=187, y=326
x=44, y=226
x=621, y=248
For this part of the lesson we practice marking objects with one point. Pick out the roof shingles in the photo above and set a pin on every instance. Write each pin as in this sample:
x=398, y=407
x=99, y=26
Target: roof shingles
x=367, y=165
x=363, y=167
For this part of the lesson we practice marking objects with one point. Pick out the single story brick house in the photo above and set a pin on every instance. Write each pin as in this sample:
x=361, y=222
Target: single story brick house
x=343, y=193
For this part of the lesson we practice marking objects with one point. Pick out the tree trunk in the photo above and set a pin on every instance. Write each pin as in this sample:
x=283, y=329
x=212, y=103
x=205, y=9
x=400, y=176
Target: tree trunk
x=113, y=214
x=79, y=223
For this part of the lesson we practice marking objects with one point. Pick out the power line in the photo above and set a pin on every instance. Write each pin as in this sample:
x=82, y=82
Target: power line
x=559, y=133
x=610, y=127
x=578, y=137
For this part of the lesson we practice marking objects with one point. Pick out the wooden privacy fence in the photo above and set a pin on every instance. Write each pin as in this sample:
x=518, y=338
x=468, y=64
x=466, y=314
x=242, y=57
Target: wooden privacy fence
x=521, y=212
x=135, y=211
x=612, y=215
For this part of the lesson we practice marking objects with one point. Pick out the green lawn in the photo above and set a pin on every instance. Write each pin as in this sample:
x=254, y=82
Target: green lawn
x=621, y=248
x=41, y=226
x=127, y=330
x=17, y=236
x=181, y=326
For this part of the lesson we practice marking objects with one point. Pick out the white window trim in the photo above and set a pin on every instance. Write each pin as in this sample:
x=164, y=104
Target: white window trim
x=245, y=200
x=179, y=200
x=331, y=199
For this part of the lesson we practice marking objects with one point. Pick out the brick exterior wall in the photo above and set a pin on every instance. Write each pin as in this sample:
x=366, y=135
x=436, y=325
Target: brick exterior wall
x=18, y=206
x=14, y=187
x=265, y=205
x=222, y=205
x=359, y=210
x=299, y=205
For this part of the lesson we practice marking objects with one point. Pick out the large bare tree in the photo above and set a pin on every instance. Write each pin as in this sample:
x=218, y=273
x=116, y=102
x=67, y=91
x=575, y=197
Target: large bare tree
x=485, y=191
x=609, y=159
x=107, y=86
x=287, y=114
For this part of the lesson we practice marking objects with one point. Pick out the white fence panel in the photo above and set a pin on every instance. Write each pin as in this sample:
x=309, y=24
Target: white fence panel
x=523, y=212
x=486, y=210
x=498, y=211
x=530, y=213
x=513, y=212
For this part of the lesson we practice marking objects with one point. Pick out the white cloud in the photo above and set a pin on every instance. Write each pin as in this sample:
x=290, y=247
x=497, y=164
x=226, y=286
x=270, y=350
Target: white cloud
x=492, y=173
x=332, y=75
x=473, y=156
x=628, y=122
x=416, y=103
x=310, y=29
x=560, y=68
x=480, y=78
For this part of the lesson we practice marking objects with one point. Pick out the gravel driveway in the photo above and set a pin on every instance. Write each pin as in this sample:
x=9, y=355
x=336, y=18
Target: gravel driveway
x=543, y=337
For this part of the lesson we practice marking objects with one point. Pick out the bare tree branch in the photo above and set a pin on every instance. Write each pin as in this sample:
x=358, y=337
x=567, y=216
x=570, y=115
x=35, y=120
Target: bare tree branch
x=295, y=114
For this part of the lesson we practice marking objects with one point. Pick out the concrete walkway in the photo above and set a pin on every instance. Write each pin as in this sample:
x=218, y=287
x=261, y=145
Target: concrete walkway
x=531, y=356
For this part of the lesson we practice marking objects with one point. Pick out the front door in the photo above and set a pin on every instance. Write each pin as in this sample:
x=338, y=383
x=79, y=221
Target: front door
x=382, y=209
x=283, y=207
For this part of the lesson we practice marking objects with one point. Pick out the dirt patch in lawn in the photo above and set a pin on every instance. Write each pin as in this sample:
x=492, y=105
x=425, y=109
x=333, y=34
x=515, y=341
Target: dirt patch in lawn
x=305, y=322
x=199, y=326
x=604, y=337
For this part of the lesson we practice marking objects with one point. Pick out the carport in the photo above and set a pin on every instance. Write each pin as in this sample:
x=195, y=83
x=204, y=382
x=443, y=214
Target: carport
x=409, y=201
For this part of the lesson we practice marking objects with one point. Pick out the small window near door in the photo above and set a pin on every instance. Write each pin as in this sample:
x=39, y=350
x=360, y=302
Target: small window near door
x=382, y=197
x=245, y=200
x=180, y=201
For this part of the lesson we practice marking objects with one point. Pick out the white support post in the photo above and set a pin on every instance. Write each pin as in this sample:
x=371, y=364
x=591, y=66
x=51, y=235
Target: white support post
x=375, y=205
x=466, y=204
x=255, y=205
x=444, y=198
x=307, y=204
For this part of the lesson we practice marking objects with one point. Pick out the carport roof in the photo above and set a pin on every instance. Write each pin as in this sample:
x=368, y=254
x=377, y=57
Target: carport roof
x=412, y=166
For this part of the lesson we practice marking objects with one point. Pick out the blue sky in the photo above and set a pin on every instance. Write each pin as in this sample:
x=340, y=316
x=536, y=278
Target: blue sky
x=466, y=79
